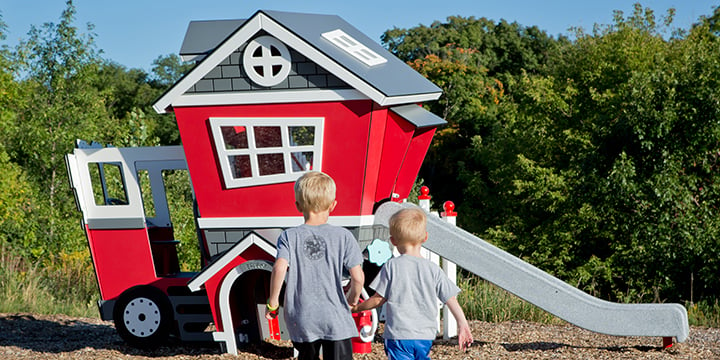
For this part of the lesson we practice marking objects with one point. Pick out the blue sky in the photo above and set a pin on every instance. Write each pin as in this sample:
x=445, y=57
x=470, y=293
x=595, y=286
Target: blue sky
x=134, y=33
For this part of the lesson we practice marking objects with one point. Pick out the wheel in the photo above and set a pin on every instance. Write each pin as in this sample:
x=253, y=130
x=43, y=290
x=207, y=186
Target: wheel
x=143, y=316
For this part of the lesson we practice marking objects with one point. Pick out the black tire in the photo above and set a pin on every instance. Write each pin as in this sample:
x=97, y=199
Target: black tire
x=143, y=317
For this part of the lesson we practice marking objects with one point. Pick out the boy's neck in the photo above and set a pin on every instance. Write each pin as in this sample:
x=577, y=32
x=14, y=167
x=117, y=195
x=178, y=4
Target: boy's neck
x=316, y=218
x=408, y=249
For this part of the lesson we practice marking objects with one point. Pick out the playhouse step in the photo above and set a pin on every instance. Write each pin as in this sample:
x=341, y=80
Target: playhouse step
x=193, y=317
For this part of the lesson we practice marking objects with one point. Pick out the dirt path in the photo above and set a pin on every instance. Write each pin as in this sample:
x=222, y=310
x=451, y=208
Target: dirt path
x=25, y=336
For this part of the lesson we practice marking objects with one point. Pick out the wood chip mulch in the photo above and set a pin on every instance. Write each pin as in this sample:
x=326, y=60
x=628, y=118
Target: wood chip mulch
x=28, y=336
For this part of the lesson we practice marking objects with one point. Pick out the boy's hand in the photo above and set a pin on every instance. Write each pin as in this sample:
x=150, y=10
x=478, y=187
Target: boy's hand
x=271, y=312
x=465, y=337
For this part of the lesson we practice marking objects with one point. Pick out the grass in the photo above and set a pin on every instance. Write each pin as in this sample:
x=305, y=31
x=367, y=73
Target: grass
x=705, y=313
x=484, y=301
x=67, y=285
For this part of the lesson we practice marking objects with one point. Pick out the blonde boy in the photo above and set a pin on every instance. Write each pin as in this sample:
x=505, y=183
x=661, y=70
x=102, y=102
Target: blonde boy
x=409, y=285
x=314, y=256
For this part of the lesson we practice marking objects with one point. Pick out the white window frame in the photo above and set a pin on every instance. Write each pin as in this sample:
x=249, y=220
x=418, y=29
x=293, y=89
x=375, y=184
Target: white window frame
x=286, y=149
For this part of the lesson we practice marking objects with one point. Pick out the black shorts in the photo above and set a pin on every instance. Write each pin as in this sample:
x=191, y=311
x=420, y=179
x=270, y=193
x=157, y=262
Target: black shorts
x=331, y=349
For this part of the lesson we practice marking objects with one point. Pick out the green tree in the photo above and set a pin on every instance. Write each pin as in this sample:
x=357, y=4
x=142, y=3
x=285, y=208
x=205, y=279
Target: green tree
x=166, y=71
x=58, y=65
x=607, y=177
x=473, y=61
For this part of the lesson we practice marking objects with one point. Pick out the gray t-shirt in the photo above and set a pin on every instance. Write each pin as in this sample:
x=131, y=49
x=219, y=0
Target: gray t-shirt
x=411, y=286
x=315, y=305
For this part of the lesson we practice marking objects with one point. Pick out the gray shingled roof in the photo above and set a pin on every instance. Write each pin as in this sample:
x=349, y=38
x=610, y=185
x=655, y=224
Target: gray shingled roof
x=393, y=78
x=203, y=36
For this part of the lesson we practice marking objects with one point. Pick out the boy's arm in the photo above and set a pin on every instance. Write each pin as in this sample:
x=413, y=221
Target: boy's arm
x=464, y=334
x=277, y=277
x=369, y=304
x=357, y=281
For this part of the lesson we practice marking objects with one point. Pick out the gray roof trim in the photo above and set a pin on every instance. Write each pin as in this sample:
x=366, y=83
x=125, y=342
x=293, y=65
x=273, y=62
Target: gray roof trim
x=418, y=116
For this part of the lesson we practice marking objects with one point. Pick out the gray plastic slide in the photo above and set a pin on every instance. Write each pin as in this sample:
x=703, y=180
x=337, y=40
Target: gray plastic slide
x=544, y=290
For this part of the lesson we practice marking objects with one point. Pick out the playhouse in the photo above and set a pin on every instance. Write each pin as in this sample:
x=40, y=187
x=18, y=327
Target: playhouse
x=270, y=97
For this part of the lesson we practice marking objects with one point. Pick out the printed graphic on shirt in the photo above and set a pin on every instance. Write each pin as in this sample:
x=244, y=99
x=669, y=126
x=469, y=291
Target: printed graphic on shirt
x=314, y=247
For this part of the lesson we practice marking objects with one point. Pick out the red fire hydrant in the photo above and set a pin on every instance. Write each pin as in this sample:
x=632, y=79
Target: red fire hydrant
x=362, y=344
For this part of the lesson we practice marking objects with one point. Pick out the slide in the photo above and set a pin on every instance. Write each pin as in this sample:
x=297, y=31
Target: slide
x=544, y=290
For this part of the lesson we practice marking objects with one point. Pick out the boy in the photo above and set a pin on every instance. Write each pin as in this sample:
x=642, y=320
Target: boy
x=409, y=286
x=313, y=256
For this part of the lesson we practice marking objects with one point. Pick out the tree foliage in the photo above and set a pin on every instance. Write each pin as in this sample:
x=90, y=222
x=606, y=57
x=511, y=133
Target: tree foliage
x=598, y=161
x=56, y=88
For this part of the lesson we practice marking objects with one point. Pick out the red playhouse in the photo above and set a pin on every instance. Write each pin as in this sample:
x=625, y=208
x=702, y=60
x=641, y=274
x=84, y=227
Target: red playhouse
x=270, y=97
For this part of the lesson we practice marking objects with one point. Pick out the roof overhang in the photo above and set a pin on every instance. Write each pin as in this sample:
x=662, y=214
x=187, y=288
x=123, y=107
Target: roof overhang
x=418, y=116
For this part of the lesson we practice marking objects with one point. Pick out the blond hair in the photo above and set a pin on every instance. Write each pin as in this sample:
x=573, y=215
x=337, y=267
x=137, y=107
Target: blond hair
x=408, y=226
x=314, y=192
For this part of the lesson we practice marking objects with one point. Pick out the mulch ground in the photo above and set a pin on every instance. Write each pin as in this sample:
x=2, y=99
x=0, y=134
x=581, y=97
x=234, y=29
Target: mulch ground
x=27, y=336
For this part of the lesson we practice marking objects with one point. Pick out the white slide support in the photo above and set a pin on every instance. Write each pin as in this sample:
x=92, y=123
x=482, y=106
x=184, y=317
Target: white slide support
x=544, y=290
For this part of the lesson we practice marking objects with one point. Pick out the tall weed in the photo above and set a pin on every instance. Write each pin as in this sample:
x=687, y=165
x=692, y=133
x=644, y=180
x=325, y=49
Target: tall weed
x=705, y=313
x=484, y=301
x=63, y=286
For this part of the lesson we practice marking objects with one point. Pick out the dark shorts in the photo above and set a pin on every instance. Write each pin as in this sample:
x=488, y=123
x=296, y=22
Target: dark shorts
x=408, y=349
x=331, y=349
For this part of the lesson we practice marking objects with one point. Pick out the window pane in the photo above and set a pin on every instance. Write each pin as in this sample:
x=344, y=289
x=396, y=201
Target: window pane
x=270, y=164
x=301, y=135
x=240, y=166
x=235, y=137
x=146, y=193
x=302, y=161
x=108, y=184
x=267, y=136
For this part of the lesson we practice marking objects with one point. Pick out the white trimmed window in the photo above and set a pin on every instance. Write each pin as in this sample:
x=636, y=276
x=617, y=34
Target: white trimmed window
x=258, y=151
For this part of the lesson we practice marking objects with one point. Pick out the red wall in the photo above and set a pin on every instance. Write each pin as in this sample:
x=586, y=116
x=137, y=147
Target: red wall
x=366, y=149
x=344, y=151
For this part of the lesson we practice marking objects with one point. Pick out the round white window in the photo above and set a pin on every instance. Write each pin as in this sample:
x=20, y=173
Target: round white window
x=266, y=61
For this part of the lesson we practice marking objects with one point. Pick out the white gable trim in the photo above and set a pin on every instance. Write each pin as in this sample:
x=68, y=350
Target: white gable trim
x=269, y=97
x=248, y=29
x=253, y=239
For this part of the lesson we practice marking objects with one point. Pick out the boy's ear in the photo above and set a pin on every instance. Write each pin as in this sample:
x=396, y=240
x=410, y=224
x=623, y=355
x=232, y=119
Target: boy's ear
x=332, y=206
x=426, y=237
x=297, y=206
x=392, y=241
